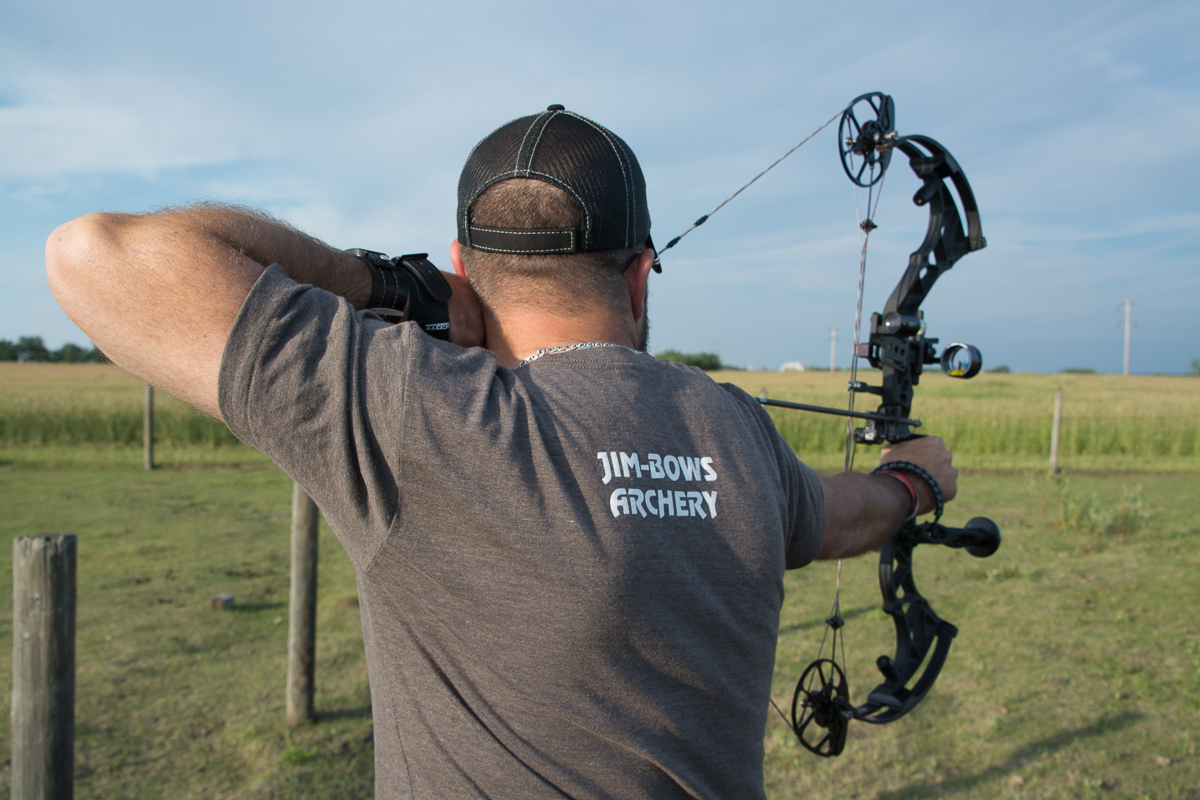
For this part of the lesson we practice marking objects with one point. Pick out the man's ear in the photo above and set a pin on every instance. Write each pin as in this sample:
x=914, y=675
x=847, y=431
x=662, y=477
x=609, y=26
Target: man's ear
x=636, y=276
x=456, y=259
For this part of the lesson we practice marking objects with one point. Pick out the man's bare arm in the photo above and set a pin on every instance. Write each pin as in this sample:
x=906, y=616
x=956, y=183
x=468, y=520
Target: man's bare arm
x=158, y=293
x=863, y=511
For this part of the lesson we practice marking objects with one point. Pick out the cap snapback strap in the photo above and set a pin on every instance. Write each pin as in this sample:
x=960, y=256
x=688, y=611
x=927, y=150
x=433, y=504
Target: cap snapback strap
x=531, y=242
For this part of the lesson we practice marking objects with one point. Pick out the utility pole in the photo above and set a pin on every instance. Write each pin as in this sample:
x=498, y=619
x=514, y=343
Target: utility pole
x=832, y=346
x=1056, y=431
x=1128, y=328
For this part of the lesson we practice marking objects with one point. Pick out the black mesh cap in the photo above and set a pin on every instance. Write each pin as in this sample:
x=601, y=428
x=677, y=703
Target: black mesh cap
x=587, y=161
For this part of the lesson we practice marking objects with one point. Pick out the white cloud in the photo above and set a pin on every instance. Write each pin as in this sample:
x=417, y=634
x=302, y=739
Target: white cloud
x=116, y=123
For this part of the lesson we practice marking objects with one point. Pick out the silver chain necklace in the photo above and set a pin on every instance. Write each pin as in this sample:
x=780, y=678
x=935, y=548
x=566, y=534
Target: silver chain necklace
x=567, y=348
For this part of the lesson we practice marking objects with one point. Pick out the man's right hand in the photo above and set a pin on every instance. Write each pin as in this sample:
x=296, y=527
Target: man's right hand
x=466, y=314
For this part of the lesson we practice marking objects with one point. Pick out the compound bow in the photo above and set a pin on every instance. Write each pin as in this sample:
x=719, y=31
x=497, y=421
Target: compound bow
x=821, y=708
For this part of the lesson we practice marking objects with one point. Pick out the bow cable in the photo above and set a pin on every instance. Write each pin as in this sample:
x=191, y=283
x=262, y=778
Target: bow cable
x=835, y=621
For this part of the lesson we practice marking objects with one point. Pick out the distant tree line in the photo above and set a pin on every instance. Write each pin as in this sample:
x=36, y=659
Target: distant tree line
x=709, y=362
x=31, y=348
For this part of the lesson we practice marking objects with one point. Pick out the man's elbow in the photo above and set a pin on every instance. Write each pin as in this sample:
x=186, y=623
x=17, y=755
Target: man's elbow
x=834, y=548
x=841, y=542
x=72, y=253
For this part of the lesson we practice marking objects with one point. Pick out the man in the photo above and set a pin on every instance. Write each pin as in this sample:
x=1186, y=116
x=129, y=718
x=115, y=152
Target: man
x=570, y=555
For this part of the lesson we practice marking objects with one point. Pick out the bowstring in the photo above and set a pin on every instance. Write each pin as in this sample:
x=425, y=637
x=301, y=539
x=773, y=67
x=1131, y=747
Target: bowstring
x=748, y=183
x=836, y=613
x=865, y=229
x=865, y=232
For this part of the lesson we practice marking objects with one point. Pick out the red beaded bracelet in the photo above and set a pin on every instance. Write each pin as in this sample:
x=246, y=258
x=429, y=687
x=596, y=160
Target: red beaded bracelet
x=912, y=491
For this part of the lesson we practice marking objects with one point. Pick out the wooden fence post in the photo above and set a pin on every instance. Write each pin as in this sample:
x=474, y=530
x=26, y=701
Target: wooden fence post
x=1055, y=430
x=43, y=665
x=302, y=609
x=148, y=429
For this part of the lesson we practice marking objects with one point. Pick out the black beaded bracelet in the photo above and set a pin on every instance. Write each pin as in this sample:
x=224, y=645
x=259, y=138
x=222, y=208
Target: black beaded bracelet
x=908, y=466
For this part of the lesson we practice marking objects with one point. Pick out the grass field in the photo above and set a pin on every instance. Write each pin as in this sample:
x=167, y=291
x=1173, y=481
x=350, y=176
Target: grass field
x=1076, y=672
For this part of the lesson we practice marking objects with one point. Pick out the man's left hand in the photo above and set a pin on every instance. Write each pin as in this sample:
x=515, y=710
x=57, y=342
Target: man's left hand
x=929, y=453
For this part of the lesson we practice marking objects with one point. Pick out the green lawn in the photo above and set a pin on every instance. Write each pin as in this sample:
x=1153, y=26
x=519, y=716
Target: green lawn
x=173, y=698
x=1076, y=669
x=1075, y=673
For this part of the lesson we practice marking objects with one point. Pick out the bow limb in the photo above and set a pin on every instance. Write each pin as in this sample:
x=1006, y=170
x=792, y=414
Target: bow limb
x=897, y=345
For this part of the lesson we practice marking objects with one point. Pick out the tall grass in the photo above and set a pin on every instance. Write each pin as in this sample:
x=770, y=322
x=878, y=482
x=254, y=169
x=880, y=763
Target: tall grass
x=991, y=422
x=77, y=414
x=1017, y=434
x=88, y=420
x=1104, y=416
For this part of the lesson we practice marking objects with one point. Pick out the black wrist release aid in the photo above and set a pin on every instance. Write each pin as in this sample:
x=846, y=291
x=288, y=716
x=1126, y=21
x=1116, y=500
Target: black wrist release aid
x=408, y=288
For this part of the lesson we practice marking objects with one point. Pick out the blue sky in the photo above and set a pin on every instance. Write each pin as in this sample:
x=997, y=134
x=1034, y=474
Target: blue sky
x=1073, y=121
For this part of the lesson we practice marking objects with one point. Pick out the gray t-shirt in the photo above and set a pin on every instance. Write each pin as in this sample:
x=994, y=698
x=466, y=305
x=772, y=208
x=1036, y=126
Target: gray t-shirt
x=570, y=574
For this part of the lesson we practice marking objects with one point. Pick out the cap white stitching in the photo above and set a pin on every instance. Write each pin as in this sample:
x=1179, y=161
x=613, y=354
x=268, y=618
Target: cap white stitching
x=517, y=163
x=626, y=175
x=471, y=155
x=548, y=115
x=541, y=133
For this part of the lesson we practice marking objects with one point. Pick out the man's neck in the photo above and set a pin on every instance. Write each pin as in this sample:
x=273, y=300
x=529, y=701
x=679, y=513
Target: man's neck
x=518, y=335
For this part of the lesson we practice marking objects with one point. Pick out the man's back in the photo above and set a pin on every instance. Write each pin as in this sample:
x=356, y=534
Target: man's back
x=570, y=573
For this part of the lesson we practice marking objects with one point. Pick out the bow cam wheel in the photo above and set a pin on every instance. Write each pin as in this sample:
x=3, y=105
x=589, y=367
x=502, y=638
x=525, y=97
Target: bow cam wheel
x=821, y=708
x=865, y=138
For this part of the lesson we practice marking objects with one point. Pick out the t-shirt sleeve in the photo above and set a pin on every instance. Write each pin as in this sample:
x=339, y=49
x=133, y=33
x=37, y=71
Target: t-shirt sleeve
x=807, y=532
x=802, y=498
x=292, y=385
